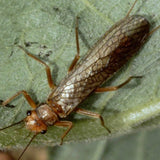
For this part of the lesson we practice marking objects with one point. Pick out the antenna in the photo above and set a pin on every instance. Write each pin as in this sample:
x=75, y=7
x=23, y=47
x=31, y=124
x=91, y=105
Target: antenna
x=27, y=146
x=12, y=125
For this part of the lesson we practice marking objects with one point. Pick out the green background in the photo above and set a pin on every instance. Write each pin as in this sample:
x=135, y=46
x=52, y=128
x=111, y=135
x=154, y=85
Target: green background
x=133, y=108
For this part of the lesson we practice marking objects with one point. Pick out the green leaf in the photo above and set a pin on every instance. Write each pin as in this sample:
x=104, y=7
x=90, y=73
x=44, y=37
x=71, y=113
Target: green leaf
x=51, y=23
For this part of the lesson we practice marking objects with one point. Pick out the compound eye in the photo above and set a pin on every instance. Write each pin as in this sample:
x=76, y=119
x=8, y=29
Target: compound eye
x=43, y=131
x=29, y=113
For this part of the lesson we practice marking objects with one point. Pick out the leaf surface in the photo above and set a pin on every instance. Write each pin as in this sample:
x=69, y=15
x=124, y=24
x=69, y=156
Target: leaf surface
x=49, y=26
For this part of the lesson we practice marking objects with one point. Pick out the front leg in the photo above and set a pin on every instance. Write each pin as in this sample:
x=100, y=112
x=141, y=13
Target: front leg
x=64, y=124
x=25, y=94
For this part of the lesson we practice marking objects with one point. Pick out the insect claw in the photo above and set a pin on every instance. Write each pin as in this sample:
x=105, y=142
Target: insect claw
x=61, y=142
x=108, y=130
x=1, y=101
x=7, y=105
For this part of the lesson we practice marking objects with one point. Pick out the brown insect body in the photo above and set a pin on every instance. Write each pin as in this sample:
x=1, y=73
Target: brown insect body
x=111, y=52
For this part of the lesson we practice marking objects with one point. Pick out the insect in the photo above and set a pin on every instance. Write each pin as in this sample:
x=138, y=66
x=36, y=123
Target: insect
x=106, y=57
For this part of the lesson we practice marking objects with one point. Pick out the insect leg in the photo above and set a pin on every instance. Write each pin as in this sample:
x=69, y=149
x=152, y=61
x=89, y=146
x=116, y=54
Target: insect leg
x=130, y=10
x=153, y=30
x=76, y=58
x=64, y=124
x=91, y=114
x=113, y=88
x=25, y=94
x=7, y=105
x=48, y=71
